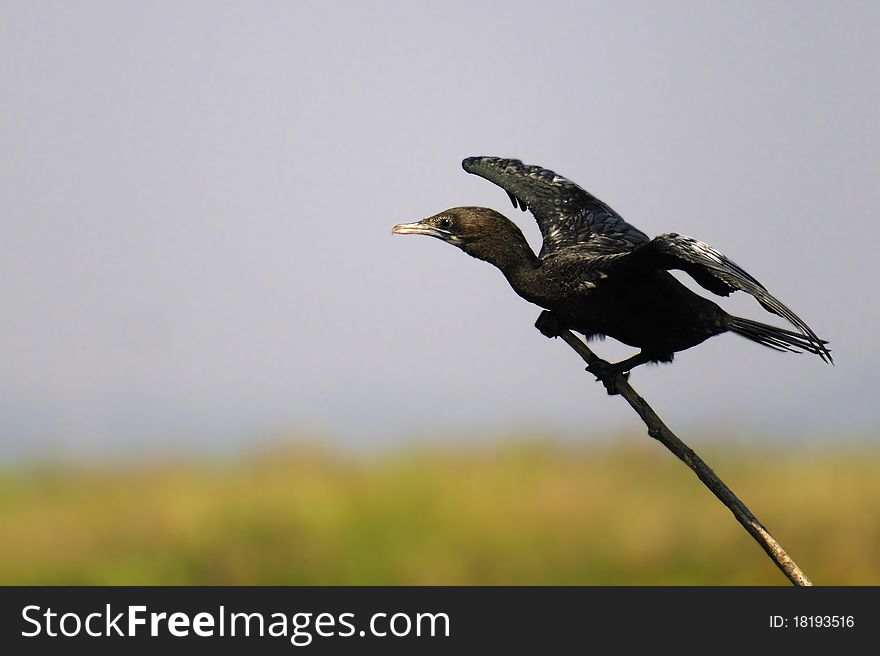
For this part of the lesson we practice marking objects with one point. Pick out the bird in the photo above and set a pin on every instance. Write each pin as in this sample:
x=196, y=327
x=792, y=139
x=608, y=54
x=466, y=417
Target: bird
x=601, y=277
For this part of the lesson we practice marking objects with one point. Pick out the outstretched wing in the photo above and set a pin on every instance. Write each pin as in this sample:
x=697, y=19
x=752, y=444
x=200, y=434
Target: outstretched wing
x=569, y=217
x=710, y=268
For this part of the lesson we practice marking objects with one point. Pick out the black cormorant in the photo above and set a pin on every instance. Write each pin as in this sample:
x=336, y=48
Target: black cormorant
x=598, y=275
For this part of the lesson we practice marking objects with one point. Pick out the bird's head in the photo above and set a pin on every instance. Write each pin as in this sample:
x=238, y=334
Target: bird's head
x=478, y=231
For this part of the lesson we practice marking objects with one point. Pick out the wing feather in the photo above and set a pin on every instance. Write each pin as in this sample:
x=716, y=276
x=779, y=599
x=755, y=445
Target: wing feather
x=568, y=216
x=711, y=269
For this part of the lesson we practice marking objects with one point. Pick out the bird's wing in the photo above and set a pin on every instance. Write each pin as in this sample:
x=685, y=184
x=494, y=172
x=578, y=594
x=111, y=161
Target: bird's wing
x=569, y=217
x=708, y=266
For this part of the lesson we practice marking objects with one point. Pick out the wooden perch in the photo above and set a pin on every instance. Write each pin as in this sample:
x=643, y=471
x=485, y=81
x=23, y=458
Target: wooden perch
x=659, y=431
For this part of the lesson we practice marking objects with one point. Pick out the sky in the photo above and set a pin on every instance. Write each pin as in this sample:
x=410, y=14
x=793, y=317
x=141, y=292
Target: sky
x=196, y=202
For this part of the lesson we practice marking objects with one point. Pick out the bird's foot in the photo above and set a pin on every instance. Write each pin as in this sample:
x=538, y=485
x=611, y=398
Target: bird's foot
x=549, y=324
x=608, y=375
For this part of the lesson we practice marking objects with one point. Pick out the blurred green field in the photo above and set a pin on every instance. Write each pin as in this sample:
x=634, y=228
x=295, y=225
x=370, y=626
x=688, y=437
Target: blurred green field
x=516, y=513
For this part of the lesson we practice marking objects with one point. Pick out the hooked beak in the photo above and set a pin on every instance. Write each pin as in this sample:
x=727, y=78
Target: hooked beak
x=421, y=228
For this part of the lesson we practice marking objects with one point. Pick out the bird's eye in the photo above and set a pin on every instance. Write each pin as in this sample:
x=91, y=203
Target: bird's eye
x=444, y=222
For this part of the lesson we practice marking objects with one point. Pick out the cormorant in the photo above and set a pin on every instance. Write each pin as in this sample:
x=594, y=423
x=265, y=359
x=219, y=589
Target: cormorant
x=598, y=275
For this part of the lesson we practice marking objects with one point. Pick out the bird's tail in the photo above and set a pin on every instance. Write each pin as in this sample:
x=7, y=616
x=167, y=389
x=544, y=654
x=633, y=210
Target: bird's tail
x=779, y=339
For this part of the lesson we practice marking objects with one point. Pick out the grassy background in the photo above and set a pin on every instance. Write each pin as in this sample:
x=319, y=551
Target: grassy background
x=514, y=513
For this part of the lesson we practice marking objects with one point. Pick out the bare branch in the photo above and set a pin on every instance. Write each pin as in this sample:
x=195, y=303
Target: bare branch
x=659, y=431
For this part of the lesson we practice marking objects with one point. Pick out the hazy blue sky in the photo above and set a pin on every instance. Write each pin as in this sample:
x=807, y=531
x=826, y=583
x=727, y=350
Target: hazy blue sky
x=196, y=201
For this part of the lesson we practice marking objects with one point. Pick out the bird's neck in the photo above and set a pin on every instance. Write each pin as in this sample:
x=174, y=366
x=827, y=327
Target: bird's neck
x=520, y=266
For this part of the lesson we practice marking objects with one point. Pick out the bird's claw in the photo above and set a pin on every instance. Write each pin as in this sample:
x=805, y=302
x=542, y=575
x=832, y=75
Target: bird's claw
x=549, y=324
x=607, y=374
